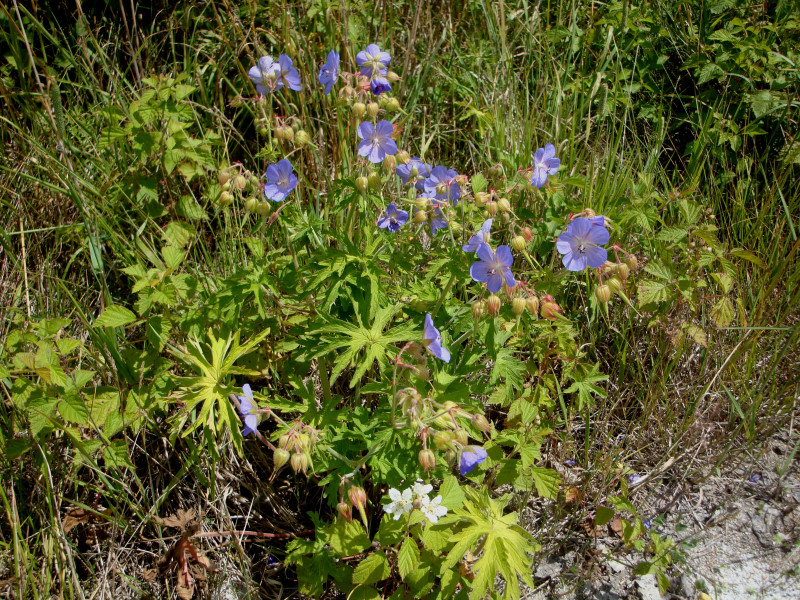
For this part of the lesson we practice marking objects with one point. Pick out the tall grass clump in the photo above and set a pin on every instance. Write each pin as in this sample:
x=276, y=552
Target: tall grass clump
x=392, y=329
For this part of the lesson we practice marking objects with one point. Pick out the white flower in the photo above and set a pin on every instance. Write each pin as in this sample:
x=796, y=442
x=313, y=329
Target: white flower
x=400, y=504
x=433, y=509
x=421, y=490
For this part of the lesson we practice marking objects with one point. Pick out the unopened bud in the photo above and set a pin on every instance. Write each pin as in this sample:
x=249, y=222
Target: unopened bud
x=420, y=216
x=240, y=182
x=504, y=205
x=427, y=459
x=389, y=163
x=302, y=138
x=478, y=309
x=392, y=77
x=518, y=243
x=632, y=262
x=392, y=104
x=551, y=310
x=251, y=204
x=615, y=284
x=442, y=440
x=493, y=304
x=301, y=442
x=373, y=109
x=462, y=437
x=403, y=157
x=526, y=233
x=518, y=305
x=224, y=177
x=362, y=184
x=344, y=509
x=225, y=198
x=589, y=213
x=263, y=208
x=623, y=271
x=288, y=134
x=374, y=179
x=359, y=109
x=348, y=92
x=482, y=423
x=602, y=293
x=279, y=458
x=421, y=371
x=481, y=198
x=226, y=186
x=423, y=203
x=491, y=208
x=262, y=131
x=299, y=462
x=533, y=305
x=357, y=496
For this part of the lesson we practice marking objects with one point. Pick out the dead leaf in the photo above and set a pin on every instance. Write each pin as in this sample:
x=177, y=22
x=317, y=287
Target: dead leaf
x=590, y=528
x=74, y=517
x=573, y=495
x=178, y=520
x=616, y=526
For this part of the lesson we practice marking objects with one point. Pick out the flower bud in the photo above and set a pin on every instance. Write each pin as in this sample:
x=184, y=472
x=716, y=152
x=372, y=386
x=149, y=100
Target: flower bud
x=224, y=177
x=403, y=157
x=389, y=163
x=262, y=131
x=392, y=104
x=441, y=189
x=226, y=186
x=240, y=182
x=288, y=134
x=301, y=442
x=427, y=459
x=442, y=439
x=491, y=208
x=462, y=437
x=482, y=423
x=493, y=304
x=299, y=462
x=225, y=198
x=423, y=203
x=373, y=109
x=374, y=180
x=623, y=271
x=504, y=205
x=551, y=310
x=362, y=183
x=263, y=208
x=532, y=305
x=359, y=109
x=632, y=262
x=251, y=204
x=302, y=138
x=392, y=77
x=589, y=213
x=478, y=309
x=526, y=233
x=344, y=509
x=495, y=171
x=481, y=198
x=518, y=243
x=614, y=284
x=420, y=216
x=421, y=371
x=518, y=305
x=279, y=458
x=357, y=496
x=602, y=293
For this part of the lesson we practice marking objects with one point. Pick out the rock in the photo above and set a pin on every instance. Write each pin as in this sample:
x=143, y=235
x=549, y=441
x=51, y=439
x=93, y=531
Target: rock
x=648, y=587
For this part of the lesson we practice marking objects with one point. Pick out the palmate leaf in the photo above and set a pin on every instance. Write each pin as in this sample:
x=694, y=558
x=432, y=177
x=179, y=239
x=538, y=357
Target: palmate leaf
x=506, y=546
x=361, y=346
x=584, y=386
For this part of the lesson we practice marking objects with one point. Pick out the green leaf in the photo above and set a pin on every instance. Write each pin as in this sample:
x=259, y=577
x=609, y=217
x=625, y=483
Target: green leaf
x=117, y=454
x=189, y=209
x=347, y=537
x=173, y=256
x=697, y=334
x=115, y=316
x=723, y=312
x=407, y=557
x=546, y=481
x=436, y=537
x=652, y=291
x=451, y=492
x=747, y=255
x=673, y=235
x=603, y=515
x=479, y=183
x=583, y=384
x=73, y=409
x=372, y=569
x=157, y=331
x=659, y=270
x=364, y=593
x=724, y=280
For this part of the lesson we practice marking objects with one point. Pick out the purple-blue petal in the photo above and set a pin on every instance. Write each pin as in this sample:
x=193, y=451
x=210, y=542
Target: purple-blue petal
x=503, y=254
x=596, y=256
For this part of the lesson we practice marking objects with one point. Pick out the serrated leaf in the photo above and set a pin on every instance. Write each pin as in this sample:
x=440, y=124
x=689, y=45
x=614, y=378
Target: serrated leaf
x=546, y=481
x=724, y=280
x=698, y=335
x=179, y=234
x=73, y=409
x=659, y=270
x=117, y=454
x=723, y=312
x=173, y=256
x=603, y=515
x=673, y=235
x=436, y=537
x=479, y=183
x=157, y=331
x=407, y=557
x=451, y=492
x=115, y=316
x=189, y=209
x=372, y=569
x=652, y=291
x=364, y=593
x=347, y=537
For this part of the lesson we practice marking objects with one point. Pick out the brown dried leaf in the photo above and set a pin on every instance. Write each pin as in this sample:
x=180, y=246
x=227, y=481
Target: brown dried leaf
x=179, y=520
x=590, y=528
x=206, y=563
x=74, y=517
x=616, y=526
x=150, y=574
x=573, y=495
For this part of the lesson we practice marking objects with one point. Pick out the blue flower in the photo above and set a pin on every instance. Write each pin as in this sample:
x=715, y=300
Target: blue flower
x=414, y=171
x=442, y=181
x=372, y=61
x=432, y=340
x=493, y=267
x=288, y=74
x=598, y=221
x=265, y=75
x=545, y=163
x=280, y=180
x=376, y=141
x=394, y=219
x=581, y=245
x=379, y=85
x=437, y=220
x=249, y=410
x=471, y=457
x=329, y=72
x=480, y=237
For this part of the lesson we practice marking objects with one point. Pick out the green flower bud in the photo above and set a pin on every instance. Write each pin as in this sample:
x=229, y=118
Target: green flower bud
x=427, y=459
x=442, y=440
x=623, y=271
x=344, y=509
x=263, y=208
x=420, y=216
x=491, y=208
x=240, y=182
x=373, y=109
x=358, y=497
x=632, y=262
x=493, y=304
x=374, y=179
x=251, y=204
x=403, y=157
x=280, y=133
x=532, y=304
x=481, y=198
x=602, y=293
x=392, y=77
x=279, y=458
x=504, y=205
x=614, y=284
x=262, y=131
x=518, y=243
x=393, y=105
x=224, y=176
x=283, y=441
x=478, y=309
x=462, y=437
x=362, y=184
x=389, y=163
x=226, y=186
x=302, y=138
x=518, y=305
x=482, y=423
x=225, y=199
x=299, y=462
x=526, y=233
x=359, y=110
x=288, y=134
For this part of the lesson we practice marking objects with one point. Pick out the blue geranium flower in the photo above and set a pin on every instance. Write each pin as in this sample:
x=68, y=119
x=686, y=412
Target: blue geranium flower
x=493, y=267
x=288, y=74
x=442, y=181
x=471, y=457
x=329, y=72
x=414, y=171
x=394, y=219
x=480, y=237
x=376, y=141
x=372, y=61
x=280, y=180
x=249, y=411
x=545, y=164
x=581, y=245
x=265, y=74
x=379, y=85
x=432, y=340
